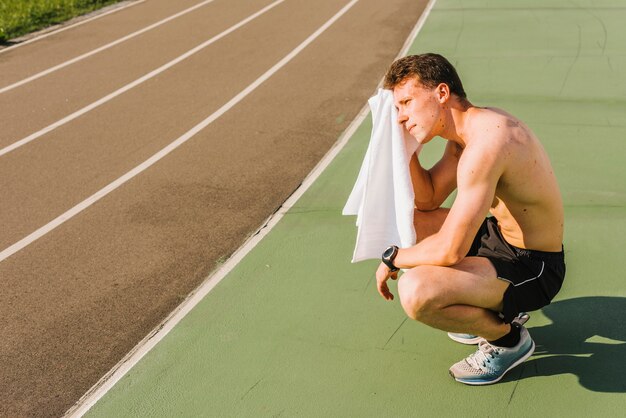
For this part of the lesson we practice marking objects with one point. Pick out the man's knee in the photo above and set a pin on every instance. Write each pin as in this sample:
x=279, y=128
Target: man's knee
x=419, y=295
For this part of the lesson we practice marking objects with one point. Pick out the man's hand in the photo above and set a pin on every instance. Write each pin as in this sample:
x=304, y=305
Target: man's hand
x=382, y=275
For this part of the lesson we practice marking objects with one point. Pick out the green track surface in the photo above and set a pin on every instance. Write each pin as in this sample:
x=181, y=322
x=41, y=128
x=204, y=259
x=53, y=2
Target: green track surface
x=296, y=330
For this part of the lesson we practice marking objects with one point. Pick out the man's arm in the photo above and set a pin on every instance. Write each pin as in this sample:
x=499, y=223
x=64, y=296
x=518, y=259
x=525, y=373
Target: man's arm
x=433, y=186
x=477, y=177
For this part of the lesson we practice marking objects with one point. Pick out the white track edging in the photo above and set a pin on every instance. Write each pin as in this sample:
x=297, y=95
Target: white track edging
x=157, y=334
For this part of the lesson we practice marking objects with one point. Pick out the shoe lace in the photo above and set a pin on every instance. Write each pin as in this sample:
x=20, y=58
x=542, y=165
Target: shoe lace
x=485, y=353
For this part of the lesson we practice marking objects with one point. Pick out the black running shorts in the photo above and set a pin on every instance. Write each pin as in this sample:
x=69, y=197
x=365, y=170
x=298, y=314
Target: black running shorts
x=534, y=277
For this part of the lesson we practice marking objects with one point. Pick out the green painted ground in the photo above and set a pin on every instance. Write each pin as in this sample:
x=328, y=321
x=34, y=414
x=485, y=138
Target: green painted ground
x=296, y=330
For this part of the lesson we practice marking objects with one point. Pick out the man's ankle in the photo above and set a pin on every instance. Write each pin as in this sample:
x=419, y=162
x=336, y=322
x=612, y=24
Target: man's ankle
x=510, y=339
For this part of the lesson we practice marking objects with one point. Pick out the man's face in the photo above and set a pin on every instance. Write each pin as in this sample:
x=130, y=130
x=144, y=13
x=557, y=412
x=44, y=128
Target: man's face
x=418, y=109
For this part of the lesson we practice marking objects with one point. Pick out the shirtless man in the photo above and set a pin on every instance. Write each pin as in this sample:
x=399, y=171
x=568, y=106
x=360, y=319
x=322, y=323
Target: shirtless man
x=471, y=275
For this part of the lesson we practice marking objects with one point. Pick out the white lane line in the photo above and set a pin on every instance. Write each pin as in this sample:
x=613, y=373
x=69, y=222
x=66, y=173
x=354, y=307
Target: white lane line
x=135, y=83
x=102, y=48
x=64, y=28
x=172, y=146
x=114, y=375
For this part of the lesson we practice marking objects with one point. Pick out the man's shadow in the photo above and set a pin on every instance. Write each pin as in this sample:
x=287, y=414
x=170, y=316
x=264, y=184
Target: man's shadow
x=587, y=338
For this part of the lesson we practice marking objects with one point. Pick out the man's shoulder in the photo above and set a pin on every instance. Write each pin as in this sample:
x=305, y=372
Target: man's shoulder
x=489, y=112
x=493, y=130
x=489, y=142
x=493, y=121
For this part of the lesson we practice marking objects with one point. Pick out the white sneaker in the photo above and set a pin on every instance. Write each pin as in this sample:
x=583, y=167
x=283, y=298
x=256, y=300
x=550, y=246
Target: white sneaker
x=490, y=363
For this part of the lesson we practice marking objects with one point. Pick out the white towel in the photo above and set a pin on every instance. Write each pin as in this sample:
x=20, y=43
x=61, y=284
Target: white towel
x=383, y=197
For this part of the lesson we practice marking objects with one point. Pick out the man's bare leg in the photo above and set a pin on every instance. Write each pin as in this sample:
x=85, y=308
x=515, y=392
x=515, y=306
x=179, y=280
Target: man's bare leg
x=462, y=298
x=465, y=298
x=467, y=320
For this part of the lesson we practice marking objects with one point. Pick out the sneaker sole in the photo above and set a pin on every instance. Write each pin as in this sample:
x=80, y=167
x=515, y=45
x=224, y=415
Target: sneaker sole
x=468, y=341
x=489, y=382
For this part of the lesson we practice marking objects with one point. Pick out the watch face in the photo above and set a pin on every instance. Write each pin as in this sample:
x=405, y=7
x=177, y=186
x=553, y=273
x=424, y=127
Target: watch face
x=388, y=252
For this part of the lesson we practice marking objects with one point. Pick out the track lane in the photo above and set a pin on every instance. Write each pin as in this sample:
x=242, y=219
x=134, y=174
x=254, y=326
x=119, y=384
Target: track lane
x=81, y=297
x=111, y=187
x=50, y=176
x=29, y=111
x=19, y=63
x=102, y=48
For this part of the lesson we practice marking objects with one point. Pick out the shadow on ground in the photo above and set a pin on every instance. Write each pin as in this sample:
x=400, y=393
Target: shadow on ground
x=587, y=338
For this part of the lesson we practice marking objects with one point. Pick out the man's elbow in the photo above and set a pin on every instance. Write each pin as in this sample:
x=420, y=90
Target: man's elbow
x=452, y=259
x=433, y=203
x=426, y=206
x=452, y=256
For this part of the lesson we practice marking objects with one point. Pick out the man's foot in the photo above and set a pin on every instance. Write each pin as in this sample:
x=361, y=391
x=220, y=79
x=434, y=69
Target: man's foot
x=470, y=339
x=490, y=363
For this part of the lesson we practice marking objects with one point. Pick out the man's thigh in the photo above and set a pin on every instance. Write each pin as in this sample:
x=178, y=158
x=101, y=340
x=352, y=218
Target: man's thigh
x=472, y=282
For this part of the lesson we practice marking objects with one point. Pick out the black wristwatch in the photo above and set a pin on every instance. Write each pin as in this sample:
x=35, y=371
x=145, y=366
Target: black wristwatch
x=389, y=255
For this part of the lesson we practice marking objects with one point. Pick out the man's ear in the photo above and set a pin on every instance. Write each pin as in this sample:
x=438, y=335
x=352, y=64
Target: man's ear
x=443, y=92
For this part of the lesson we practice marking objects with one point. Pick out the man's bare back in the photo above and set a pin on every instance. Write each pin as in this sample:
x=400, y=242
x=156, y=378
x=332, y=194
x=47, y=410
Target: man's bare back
x=527, y=200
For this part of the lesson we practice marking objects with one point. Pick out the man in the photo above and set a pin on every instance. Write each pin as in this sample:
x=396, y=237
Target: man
x=470, y=275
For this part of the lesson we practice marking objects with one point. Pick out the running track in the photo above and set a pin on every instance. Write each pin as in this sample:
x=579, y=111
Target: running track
x=108, y=222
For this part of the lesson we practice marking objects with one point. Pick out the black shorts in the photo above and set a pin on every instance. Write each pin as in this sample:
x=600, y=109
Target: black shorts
x=534, y=277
